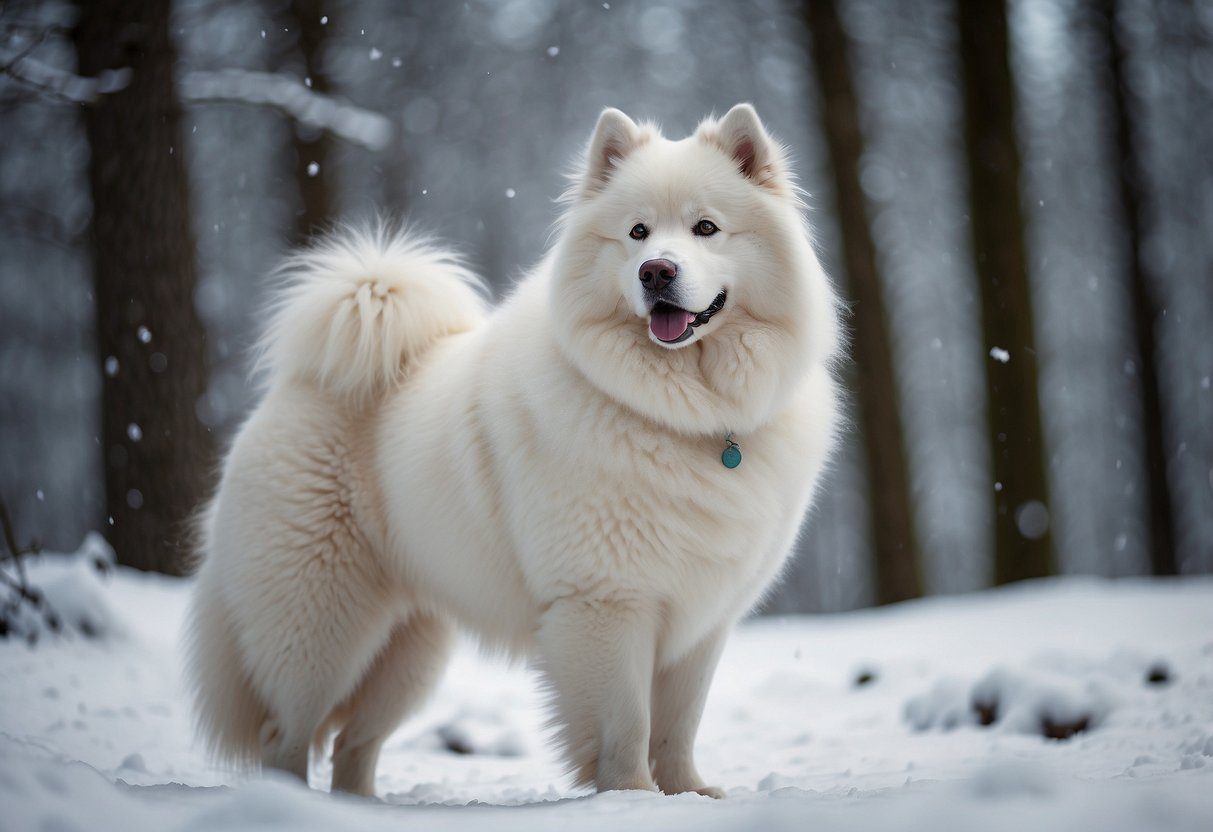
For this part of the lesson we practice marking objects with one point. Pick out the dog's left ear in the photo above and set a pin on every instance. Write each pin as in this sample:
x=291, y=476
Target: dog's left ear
x=741, y=135
x=615, y=136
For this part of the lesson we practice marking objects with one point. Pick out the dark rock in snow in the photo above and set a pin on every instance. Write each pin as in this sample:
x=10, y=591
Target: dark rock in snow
x=987, y=712
x=1063, y=730
x=865, y=677
x=1158, y=674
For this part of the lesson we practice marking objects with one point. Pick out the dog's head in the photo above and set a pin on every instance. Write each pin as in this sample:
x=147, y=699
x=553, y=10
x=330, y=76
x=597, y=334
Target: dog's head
x=680, y=259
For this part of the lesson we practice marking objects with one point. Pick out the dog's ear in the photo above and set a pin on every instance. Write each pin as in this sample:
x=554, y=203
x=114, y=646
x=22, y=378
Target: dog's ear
x=741, y=135
x=615, y=137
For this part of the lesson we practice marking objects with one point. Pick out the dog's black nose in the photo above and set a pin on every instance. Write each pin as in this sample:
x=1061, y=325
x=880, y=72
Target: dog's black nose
x=657, y=274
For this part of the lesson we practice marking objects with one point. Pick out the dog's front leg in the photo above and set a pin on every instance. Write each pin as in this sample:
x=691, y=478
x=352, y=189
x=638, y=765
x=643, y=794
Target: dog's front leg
x=598, y=654
x=679, y=693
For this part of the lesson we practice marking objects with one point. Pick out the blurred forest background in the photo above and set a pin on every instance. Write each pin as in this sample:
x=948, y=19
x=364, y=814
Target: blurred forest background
x=1015, y=197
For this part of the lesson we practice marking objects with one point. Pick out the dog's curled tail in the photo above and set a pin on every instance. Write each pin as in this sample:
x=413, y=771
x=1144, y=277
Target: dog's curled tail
x=358, y=306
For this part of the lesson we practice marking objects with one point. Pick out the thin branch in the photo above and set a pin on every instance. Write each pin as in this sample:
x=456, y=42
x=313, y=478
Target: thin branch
x=24, y=53
x=36, y=224
x=15, y=552
x=33, y=26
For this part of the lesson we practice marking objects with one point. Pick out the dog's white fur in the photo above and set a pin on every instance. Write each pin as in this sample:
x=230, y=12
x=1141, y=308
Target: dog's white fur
x=547, y=476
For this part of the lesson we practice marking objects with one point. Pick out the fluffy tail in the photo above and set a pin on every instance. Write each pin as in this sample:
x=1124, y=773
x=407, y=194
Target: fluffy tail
x=357, y=307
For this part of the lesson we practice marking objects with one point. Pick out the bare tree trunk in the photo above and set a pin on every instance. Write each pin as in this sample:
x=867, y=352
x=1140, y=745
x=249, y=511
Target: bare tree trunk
x=1146, y=308
x=312, y=147
x=1023, y=542
x=152, y=347
x=893, y=537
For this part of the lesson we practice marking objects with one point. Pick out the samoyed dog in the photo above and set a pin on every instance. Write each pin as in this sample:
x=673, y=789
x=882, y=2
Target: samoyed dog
x=601, y=475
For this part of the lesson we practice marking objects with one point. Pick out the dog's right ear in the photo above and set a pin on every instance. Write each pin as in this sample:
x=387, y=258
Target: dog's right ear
x=740, y=134
x=615, y=137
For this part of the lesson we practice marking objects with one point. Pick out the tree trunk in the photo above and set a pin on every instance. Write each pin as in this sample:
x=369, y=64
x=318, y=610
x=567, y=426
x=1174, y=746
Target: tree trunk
x=1023, y=543
x=1146, y=308
x=312, y=147
x=150, y=342
x=894, y=542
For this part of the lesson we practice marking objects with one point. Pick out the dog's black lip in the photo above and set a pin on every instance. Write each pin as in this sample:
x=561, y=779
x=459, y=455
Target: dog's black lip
x=700, y=318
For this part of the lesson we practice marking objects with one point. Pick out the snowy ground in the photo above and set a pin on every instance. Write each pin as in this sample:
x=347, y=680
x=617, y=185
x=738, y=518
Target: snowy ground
x=95, y=734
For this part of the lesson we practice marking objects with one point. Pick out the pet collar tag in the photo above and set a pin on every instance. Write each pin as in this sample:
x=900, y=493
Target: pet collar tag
x=732, y=453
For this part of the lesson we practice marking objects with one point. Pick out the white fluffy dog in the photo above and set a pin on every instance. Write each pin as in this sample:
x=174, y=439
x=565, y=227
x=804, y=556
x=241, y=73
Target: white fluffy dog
x=603, y=474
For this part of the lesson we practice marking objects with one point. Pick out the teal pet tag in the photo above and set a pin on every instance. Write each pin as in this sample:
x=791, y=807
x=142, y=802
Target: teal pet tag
x=732, y=454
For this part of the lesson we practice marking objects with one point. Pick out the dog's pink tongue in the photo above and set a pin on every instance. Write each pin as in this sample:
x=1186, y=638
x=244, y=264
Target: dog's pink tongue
x=669, y=323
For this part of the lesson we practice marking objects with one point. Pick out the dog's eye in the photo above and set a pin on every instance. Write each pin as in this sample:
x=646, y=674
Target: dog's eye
x=639, y=231
x=704, y=228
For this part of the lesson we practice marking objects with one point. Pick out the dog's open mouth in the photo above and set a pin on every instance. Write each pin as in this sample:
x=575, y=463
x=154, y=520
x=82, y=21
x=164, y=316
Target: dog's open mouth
x=672, y=324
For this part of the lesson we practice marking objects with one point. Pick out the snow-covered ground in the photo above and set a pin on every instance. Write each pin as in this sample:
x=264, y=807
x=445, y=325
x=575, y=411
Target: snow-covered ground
x=95, y=733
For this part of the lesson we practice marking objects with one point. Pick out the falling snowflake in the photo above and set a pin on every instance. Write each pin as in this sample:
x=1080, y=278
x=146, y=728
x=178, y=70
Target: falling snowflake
x=1032, y=519
x=1000, y=355
x=111, y=366
x=553, y=51
x=145, y=334
x=134, y=432
x=375, y=54
x=510, y=193
x=313, y=168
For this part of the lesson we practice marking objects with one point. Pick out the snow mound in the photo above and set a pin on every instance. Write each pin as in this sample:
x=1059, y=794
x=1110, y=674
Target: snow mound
x=478, y=731
x=1023, y=701
x=73, y=594
x=1028, y=702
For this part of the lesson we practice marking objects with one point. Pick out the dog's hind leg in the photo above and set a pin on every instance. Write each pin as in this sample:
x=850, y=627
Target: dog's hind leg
x=311, y=607
x=396, y=683
x=679, y=693
x=314, y=642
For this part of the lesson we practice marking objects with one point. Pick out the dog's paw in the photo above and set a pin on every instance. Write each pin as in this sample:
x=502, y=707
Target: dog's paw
x=713, y=792
x=627, y=786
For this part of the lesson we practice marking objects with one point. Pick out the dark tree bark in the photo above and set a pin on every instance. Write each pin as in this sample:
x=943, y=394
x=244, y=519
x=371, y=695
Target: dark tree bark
x=894, y=542
x=150, y=341
x=312, y=147
x=1023, y=543
x=1146, y=307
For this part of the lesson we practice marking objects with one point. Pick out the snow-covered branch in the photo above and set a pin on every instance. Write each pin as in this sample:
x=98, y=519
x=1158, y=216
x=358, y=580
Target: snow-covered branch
x=59, y=83
x=235, y=86
x=284, y=92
